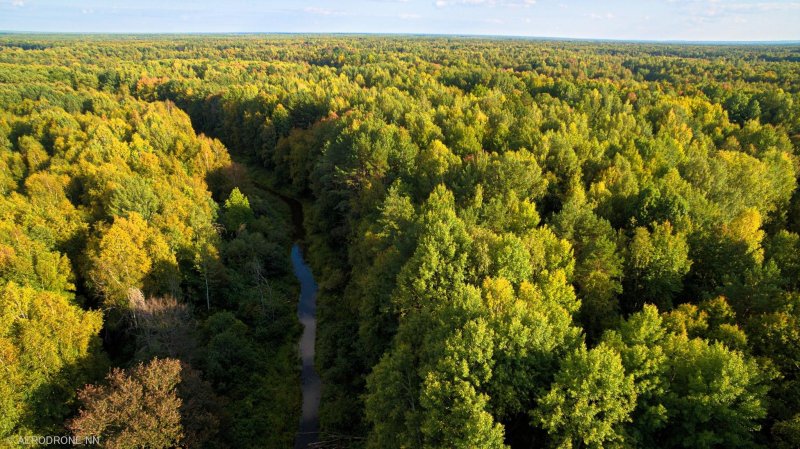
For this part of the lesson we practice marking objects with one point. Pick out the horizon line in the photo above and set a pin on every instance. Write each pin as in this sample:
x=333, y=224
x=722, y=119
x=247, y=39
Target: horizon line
x=399, y=34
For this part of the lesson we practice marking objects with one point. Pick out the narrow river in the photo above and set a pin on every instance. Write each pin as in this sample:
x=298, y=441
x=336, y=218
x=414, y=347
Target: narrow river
x=311, y=385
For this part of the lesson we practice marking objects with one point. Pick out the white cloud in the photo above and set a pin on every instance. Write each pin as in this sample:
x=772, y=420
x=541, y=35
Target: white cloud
x=708, y=10
x=511, y=3
x=606, y=16
x=407, y=16
x=762, y=6
x=323, y=11
x=18, y=3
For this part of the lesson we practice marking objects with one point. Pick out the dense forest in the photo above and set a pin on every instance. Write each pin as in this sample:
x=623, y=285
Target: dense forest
x=518, y=243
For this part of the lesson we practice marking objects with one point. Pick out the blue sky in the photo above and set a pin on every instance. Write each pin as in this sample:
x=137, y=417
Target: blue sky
x=603, y=19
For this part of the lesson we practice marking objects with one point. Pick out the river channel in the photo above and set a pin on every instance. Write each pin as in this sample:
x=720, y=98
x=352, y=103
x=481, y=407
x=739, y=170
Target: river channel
x=311, y=385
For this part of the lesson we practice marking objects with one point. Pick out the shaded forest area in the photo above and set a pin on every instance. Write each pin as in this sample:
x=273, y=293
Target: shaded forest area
x=518, y=243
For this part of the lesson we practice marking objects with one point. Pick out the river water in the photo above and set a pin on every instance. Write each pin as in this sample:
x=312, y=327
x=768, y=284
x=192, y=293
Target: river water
x=311, y=385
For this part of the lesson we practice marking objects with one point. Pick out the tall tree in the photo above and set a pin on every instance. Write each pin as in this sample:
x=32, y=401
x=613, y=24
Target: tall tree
x=589, y=401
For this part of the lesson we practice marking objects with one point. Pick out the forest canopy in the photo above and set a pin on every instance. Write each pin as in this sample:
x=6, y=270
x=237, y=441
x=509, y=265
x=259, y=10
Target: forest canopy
x=518, y=243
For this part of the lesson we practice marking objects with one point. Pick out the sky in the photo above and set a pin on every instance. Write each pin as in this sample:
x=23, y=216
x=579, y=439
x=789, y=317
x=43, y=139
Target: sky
x=692, y=20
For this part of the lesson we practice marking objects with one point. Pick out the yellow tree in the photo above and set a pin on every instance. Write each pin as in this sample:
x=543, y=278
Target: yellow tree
x=45, y=342
x=129, y=254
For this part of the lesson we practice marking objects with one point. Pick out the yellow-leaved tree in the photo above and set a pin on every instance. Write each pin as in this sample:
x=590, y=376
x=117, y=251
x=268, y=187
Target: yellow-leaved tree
x=47, y=350
x=130, y=254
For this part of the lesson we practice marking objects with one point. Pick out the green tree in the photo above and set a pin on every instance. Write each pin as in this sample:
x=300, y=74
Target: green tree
x=692, y=392
x=716, y=397
x=590, y=400
x=533, y=331
x=784, y=249
x=656, y=263
x=775, y=338
x=742, y=108
x=455, y=411
x=438, y=265
x=236, y=211
x=598, y=267
x=135, y=194
x=29, y=262
x=639, y=341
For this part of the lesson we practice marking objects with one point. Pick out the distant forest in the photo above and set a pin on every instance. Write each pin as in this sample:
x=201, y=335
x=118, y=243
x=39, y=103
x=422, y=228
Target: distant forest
x=518, y=243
